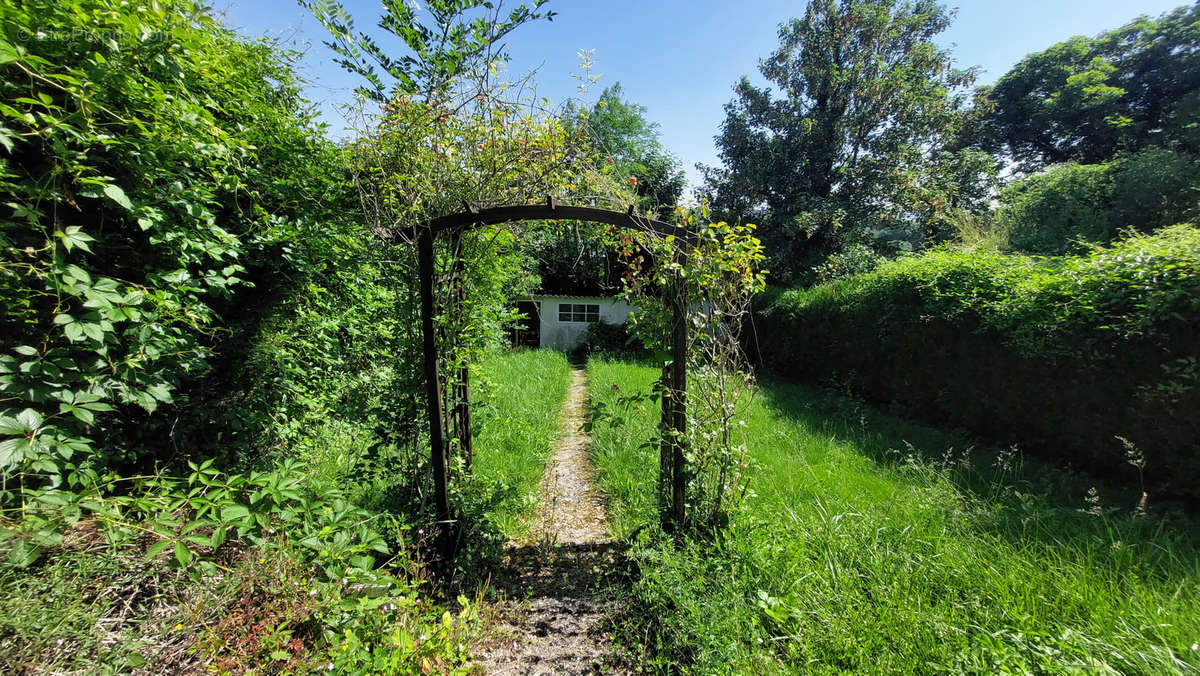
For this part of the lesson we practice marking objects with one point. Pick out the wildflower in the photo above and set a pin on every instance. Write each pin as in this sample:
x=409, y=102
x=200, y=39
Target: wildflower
x=1093, y=502
x=609, y=159
x=179, y=626
x=633, y=181
x=329, y=667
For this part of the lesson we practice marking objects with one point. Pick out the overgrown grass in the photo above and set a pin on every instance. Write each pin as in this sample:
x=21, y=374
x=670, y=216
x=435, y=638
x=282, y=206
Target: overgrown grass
x=874, y=545
x=1061, y=355
x=516, y=412
x=272, y=604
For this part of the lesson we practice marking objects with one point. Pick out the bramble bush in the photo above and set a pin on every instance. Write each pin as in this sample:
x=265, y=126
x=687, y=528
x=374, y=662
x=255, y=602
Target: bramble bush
x=1061, y=355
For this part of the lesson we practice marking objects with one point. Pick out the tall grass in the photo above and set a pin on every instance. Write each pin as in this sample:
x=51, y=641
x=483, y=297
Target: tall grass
x=874, y=545
x=516, y=411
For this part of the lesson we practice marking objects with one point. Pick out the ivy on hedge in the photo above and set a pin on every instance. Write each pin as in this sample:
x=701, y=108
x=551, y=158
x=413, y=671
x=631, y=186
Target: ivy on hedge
x=1060, y=355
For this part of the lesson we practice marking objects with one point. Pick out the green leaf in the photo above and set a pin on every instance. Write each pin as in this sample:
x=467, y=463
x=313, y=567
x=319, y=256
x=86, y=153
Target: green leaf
x=24, y=554
x=8, y=52
x=11, y=426
x=81, y=413
x=93, y=331
x=116, y=194
x=12, y=452
x=182, y=554
x=231, y=513
x=30, y=418
x=157, y=548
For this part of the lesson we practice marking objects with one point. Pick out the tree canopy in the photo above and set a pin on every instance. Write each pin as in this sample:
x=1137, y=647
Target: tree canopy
x=1085, y=99
x=856, y=142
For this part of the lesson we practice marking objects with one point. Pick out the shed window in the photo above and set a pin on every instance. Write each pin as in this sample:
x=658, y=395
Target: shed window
x=576, y=312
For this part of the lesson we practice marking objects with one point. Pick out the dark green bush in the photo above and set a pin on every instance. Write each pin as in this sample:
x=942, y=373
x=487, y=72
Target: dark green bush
x=1055, y=211
x=1059, y=355
x=611, y=339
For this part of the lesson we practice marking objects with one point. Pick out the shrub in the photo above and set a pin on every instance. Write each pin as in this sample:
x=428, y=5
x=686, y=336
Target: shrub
x=1060, y=355
x=1059, y=210
x=154, y=166
x=612, y=339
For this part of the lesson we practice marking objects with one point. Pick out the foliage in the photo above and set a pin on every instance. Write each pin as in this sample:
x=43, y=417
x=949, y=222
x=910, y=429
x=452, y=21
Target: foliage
x=1086, y=99
x=602, y=338
x=1060, y=354
x=855, y=259
x=706, y=282
x=626, y=146
x=315, y=558
x=155, y=167
x=631, y=143
x=459, y=39
x=1070, y=205
x=861, y=141
x=870, y=544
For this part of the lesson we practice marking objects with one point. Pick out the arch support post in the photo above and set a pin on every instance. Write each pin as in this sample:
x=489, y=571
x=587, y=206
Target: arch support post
x=437, y=441
x=461, y=392
x=672, y=461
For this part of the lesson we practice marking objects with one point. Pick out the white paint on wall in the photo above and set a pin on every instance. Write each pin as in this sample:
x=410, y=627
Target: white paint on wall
x=564, y=334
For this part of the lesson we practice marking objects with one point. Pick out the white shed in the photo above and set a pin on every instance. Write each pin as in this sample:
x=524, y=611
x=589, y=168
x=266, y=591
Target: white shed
x=560, y=321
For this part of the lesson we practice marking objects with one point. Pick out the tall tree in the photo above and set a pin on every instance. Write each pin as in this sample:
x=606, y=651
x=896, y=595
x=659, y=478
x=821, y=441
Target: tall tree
x=620, y=130
x=575, y=259
x=1085, y=99
x=868, y=107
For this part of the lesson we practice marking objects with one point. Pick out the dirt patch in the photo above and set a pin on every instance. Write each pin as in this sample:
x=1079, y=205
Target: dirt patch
x=553, y=584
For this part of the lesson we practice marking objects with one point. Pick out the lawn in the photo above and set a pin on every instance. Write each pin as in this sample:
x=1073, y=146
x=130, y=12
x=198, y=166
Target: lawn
x=517, y=404
x=869, y=544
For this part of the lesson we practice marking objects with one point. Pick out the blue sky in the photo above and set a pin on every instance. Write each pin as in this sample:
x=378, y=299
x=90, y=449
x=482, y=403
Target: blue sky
x=681, y=58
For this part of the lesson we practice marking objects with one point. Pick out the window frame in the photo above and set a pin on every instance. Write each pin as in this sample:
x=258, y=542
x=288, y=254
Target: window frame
x=579, y=313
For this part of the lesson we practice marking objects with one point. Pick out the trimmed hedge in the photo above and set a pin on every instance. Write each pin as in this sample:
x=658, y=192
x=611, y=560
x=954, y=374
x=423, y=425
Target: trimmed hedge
x=1059, y=355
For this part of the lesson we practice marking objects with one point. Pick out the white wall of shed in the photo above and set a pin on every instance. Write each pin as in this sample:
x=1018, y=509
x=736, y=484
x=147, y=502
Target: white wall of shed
x=566, y=335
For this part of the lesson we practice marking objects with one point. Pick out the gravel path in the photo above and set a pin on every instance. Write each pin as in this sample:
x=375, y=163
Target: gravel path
x=552, y=584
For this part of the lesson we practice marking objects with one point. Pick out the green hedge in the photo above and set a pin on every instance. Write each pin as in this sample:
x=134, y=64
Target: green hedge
x=1056, y=211
x=1059, y=355
x=157, y=173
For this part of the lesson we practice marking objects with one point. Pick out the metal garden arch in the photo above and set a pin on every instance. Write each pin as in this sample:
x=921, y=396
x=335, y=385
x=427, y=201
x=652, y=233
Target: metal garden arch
x=672, y=479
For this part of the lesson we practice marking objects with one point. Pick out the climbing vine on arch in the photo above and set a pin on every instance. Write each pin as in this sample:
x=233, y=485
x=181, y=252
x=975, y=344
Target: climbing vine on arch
x=707, y=283
x=453, y=134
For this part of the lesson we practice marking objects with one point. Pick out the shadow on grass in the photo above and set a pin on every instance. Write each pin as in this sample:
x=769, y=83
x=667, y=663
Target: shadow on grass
x=1024, y=500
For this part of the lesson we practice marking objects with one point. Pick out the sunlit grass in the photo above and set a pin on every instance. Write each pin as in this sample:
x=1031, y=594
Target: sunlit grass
x=516, y=409
x=869, y=545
